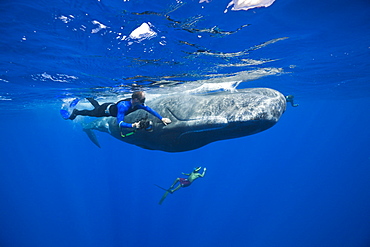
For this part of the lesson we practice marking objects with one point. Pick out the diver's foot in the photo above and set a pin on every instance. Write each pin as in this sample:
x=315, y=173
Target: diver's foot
x=73, y=115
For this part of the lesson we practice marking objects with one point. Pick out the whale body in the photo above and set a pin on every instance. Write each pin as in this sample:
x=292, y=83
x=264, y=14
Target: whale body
x=198, y=119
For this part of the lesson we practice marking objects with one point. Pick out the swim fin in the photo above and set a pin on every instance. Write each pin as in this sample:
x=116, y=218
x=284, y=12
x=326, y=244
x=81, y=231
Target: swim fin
x=163, y=197
x=165, y=194
x=65, y=114
x=67, y=111
x=163, y=188
x=74, y=103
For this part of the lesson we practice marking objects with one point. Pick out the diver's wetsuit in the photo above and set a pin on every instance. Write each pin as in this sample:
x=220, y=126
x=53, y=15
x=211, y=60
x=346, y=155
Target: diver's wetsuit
x=98, y=111
x=119, y=110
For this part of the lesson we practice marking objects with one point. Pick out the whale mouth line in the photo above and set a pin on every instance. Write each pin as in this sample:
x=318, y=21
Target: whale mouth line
x=215, y=120
x=203, y=124
x=197, y=131
x=178, y=118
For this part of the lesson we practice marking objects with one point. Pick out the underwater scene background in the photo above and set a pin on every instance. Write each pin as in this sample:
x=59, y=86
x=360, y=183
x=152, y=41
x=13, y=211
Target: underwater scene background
x=304, y=182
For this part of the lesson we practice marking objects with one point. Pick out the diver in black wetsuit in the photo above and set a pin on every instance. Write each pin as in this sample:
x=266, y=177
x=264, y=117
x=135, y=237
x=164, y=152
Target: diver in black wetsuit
x=119, y=110
x=290, y=98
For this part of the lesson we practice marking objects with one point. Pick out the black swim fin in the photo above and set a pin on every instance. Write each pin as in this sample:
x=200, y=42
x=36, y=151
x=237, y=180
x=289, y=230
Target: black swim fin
x=163, y=188
x=165, y=194
x=163, y=197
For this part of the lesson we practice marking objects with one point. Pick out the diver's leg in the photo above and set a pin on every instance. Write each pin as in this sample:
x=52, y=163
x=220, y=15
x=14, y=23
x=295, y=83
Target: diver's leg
x=98, y=111
x=177, y=188
x=76, y=113
x=93, y=102
x=174, y=183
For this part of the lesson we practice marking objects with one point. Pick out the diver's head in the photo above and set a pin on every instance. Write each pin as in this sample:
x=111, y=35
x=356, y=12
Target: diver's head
x=197, y=169
x=138, y=97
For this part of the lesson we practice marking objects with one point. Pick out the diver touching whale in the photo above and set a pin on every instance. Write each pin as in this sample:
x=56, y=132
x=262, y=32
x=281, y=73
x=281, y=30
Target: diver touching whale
x=197, y=120
x=118, y=110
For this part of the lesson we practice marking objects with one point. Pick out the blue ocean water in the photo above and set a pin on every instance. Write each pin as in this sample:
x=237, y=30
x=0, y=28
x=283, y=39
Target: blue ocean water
x=304, y=182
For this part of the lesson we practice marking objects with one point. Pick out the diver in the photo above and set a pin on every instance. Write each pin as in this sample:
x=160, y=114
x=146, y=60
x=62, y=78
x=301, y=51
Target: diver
x=290, y=98
x=119, y=110
x=183, y=182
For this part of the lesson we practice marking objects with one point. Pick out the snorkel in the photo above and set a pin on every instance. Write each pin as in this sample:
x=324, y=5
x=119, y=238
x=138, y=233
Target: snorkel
x=197, y=169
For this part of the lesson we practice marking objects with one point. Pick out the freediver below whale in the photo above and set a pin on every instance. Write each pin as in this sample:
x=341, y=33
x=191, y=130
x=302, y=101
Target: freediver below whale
x=198, y=120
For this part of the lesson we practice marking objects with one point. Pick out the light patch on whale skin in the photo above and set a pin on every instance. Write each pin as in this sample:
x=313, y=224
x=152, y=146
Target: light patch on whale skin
x=107, y=127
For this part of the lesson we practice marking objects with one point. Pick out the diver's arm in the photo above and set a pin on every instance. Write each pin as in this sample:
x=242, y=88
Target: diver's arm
x=154, y=113
x=150, y=110
x=204, y=172
x=128, y=125
x=186, y=174
x=121, y=116
x=124, y=124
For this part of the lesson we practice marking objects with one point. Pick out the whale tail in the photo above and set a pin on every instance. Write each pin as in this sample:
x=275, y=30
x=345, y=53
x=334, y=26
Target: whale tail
x=91, y=134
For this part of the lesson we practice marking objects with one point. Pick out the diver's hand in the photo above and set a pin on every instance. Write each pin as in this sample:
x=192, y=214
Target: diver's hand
x=204, y=169
x=166, y=121
x=136, y=125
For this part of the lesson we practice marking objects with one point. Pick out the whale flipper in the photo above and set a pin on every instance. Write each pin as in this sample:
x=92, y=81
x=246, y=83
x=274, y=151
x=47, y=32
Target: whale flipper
x=91, y=134
x=99, y=124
